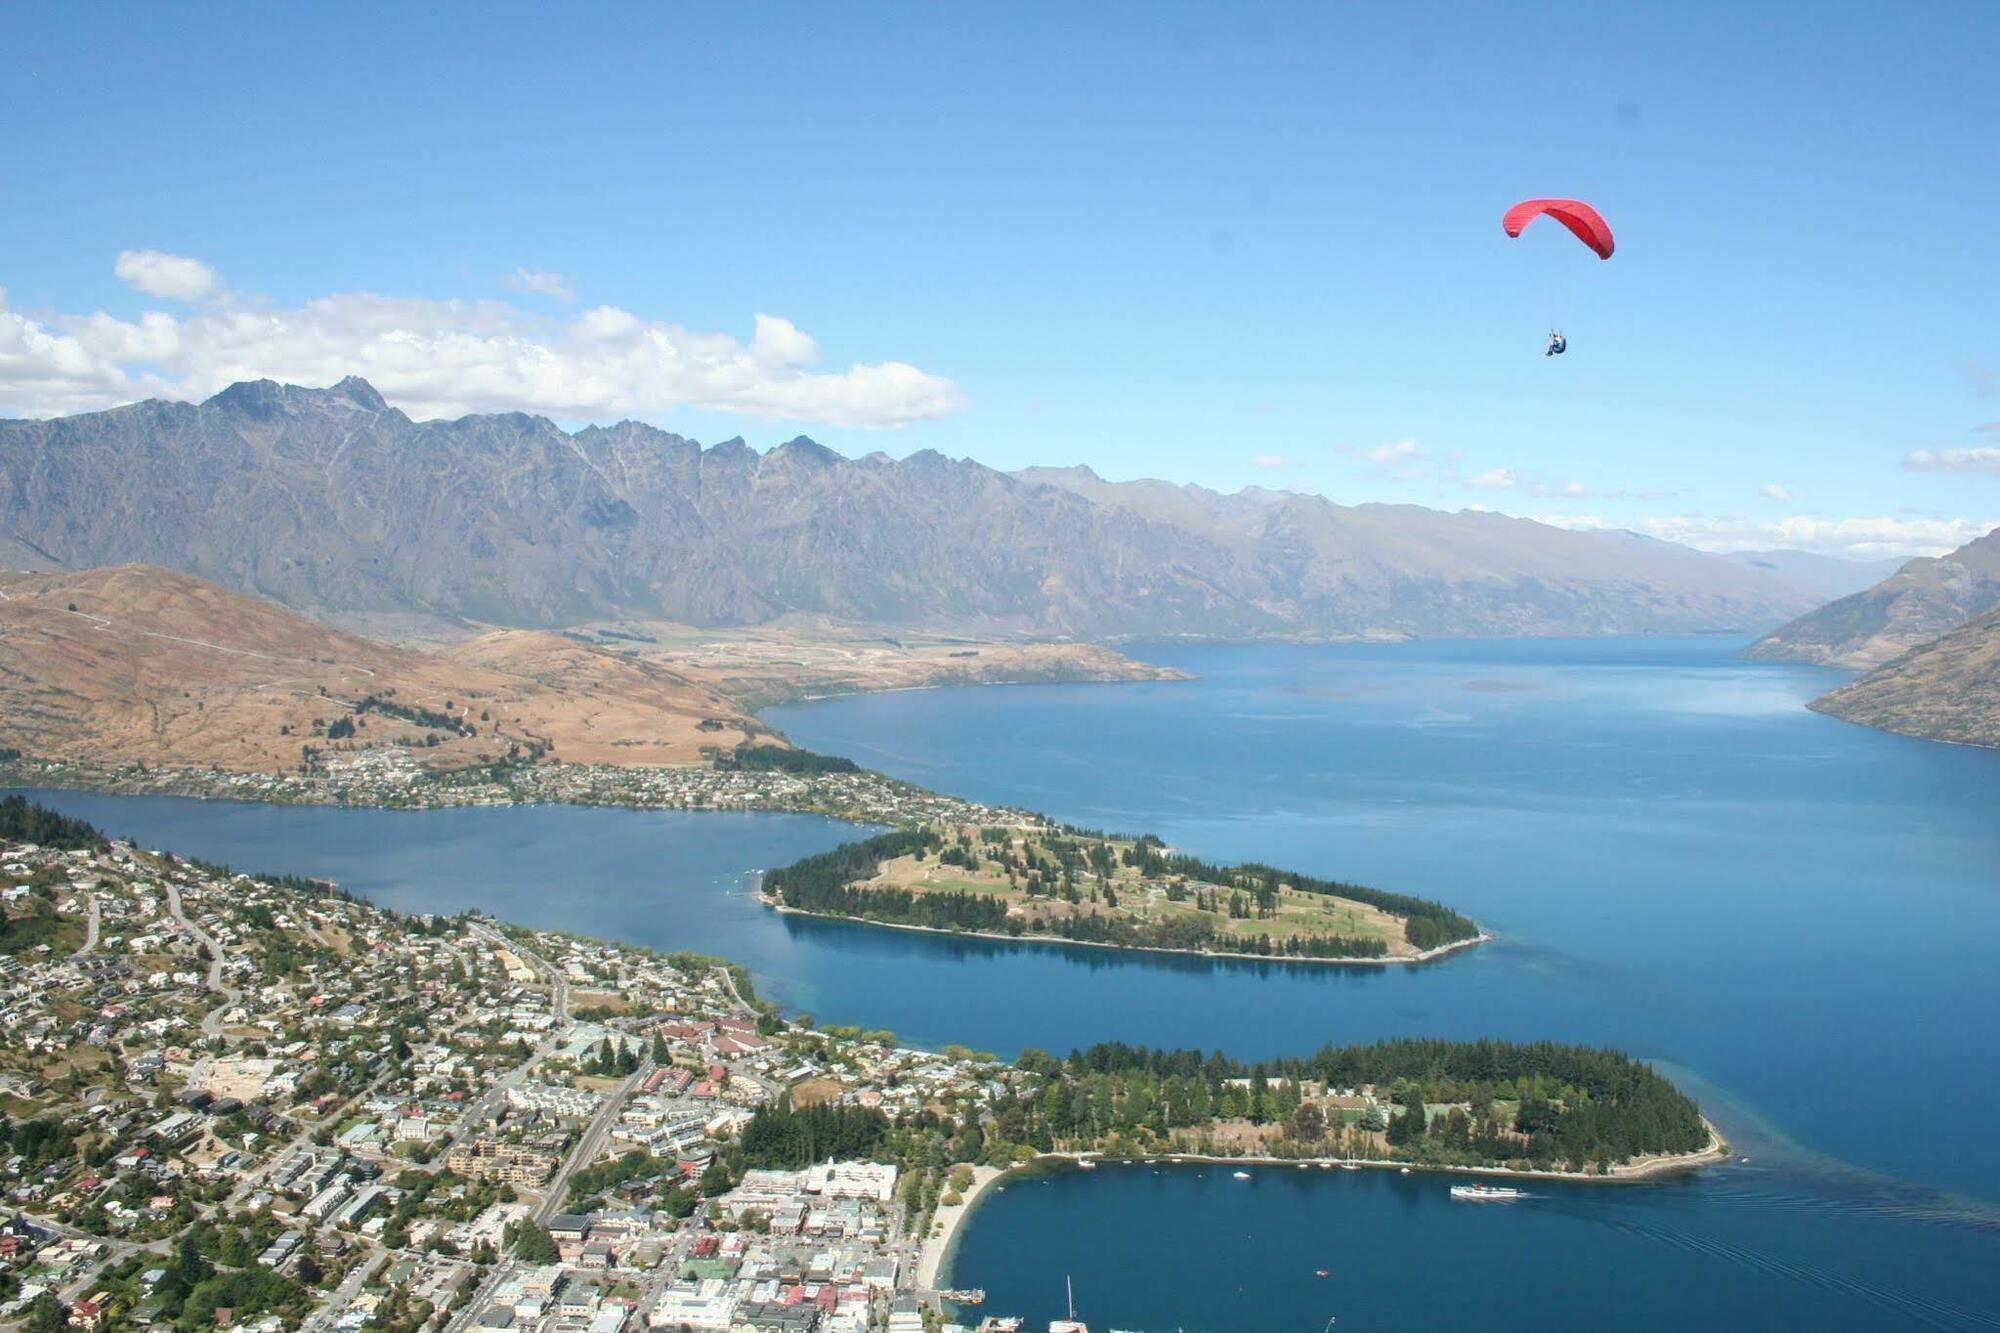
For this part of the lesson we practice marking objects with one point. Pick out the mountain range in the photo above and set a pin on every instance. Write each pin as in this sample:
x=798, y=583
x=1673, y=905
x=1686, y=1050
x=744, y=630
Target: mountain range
x=330, y=501
x=1928, y=638
x=1922, y=600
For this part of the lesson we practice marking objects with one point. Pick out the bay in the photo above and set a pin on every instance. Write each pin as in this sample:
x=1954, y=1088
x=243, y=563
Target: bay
x=1796, y=917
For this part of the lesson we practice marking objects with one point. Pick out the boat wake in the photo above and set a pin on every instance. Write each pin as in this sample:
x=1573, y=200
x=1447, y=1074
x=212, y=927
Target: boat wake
x=1905, y=1305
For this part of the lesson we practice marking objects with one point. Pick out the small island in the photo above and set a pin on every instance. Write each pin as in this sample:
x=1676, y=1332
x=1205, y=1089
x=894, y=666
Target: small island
x=1068, y=885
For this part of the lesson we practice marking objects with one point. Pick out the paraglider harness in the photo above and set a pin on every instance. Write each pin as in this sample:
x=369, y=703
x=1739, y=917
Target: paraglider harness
x=1557, y=344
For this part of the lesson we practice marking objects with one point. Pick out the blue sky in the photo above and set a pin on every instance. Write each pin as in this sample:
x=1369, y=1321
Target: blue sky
x=1168, y=241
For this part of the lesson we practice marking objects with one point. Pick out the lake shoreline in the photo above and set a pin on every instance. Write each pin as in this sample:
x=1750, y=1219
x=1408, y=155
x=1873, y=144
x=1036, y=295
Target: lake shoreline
x=1636, y=1172
x=1427, y=956
x=939, y=1250
x=934, y=1259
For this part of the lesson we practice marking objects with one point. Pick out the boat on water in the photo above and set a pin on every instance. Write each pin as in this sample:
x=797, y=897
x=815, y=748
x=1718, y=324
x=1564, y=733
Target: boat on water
x=1486, y=1193
x=1085, y=1164
x=1072, y=1324
x=1350, y=1166
x=1322, y=1272
x=1241, y=1175
x=966, y=1296
x=1405, y=1171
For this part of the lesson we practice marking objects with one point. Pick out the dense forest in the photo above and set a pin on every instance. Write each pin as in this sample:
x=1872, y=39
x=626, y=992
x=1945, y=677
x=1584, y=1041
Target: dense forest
x=1542, y=1105
x=751, y=758
x=826, y=883
x=780, y=1136
x=22, y=821
x=831, y=883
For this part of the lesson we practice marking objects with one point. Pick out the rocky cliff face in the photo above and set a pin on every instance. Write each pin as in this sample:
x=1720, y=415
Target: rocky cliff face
x=329, y=500
x=1922, y=600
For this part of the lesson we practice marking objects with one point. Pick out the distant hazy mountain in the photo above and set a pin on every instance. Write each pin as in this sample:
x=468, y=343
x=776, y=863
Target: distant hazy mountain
x=330, y=501
x=1830, y=576
x=1922, y=600
x=1945, y=690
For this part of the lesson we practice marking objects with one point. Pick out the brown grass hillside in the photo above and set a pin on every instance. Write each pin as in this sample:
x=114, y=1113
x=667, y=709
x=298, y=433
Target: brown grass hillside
x=134, y=663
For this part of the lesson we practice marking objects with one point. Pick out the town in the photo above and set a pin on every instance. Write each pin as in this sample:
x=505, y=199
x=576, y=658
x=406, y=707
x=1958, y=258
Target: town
x=391, y=777
x=241, y=1103
x=259, y=1103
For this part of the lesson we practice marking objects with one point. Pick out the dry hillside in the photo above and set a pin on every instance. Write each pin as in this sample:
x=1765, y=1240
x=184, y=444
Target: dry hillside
x=1922, y=600
x=761, y=665
x=135, y=663
x=1945, y=690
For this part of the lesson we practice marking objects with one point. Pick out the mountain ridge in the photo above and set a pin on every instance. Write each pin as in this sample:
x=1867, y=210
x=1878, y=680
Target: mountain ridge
x=332, y=501
x=1945, y=690
x=1926, y=598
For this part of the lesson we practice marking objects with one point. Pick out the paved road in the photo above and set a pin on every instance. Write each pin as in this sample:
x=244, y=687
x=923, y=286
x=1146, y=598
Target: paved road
x=91, y=925
x=558, y=983
x=331, y=1308
x=729, y=984
x=478, y=1112
x=212, y=1025
x=114, y=1250
x=590, y=1145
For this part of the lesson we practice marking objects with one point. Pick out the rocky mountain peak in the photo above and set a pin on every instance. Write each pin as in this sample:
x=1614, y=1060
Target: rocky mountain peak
x=342, y=504
x=266, y=399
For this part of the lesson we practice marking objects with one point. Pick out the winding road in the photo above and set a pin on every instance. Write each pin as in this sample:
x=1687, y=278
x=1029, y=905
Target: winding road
x=211, y=1025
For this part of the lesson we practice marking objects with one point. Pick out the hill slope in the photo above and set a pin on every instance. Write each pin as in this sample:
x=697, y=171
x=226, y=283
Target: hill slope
x=1922, y=600
x=330, y=501
x=149, y=665
x=1945, y=690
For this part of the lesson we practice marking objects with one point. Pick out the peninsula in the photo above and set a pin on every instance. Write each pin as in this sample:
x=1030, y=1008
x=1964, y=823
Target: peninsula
x=257, y=1094
x=1046, y=881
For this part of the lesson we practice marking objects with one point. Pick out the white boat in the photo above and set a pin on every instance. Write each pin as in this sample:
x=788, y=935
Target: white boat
x=1071, y=1324
x=1486, y=1193
x=1350, y=1166
x=1405, y=1171
x=1242, y=1175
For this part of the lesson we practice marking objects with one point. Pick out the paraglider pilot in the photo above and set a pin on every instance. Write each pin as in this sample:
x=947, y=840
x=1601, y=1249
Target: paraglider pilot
x=1557, y=344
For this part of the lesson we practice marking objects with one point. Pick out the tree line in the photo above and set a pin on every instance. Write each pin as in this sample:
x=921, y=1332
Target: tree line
x=830, y=883
x=781, y=1136
x=21, y=820
x=751, y=758
x=1543, y=1104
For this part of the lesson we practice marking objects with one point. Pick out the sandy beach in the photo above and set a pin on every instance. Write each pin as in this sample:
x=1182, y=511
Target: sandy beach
x=945, y=1224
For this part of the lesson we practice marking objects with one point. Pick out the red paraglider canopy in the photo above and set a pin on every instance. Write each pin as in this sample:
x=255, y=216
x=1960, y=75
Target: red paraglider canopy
x=1586, y=222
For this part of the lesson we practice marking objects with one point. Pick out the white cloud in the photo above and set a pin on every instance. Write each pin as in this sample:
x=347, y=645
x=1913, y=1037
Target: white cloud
x=1985, y=458
x=448, y=358
x=1384, y=455
x=1865, y=538
x=1270, y=462
x=172, y=276
x=1776, y=492
x=1527, y=483
x=541, y=282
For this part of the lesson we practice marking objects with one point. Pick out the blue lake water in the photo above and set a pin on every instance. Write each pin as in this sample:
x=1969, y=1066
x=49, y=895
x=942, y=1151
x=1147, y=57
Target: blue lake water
x=1797, y=917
